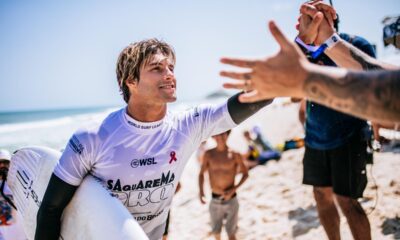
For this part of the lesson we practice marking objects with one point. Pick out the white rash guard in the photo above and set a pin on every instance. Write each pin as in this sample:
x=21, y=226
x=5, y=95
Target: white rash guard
x=141, y=163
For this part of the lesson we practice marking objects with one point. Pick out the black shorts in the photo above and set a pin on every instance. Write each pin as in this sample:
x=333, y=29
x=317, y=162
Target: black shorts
x=342, y=168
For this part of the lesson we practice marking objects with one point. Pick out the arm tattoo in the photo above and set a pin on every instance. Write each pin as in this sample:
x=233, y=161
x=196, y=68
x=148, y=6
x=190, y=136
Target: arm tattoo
x=374, y=95
x=357, y=55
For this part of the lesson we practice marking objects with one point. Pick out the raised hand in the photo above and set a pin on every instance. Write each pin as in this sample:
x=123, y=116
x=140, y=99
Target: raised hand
x=279, y=75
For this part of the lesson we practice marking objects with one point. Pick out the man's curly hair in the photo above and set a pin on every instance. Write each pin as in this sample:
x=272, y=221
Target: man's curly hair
x=134, y=57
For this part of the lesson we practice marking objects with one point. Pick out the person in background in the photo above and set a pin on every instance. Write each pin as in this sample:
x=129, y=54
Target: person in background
x=259, y=151
x=336, y=146
x=222, y=165
x=10, y=220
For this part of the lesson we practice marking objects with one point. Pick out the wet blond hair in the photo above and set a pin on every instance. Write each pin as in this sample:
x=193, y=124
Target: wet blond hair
x=134, y=57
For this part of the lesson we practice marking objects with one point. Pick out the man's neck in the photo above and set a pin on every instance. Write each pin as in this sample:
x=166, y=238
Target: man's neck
x=146, y=112
x=222, y=148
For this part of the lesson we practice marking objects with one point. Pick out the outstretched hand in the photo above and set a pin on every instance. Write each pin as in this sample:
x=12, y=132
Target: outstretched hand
x=275, y=76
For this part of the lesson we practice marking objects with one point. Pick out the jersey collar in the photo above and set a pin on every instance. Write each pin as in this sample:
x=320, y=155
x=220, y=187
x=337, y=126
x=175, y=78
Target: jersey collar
x=143, y=127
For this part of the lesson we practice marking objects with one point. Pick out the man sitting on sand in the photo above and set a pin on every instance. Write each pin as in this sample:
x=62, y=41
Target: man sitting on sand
x=222, y=165
x=259, y=152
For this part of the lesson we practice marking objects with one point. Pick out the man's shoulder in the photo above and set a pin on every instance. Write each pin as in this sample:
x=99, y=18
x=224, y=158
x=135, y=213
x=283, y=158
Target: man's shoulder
x=209, y=151
x=360, y=43
x=193, y=114
x=99, y=128
x=193, y=111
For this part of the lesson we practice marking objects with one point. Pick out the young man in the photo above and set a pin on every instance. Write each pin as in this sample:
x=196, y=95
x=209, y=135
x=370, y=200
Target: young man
x=222, y=165
x=139, y=151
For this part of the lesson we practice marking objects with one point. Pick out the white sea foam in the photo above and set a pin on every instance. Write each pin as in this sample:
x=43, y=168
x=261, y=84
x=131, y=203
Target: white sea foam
x=56, y=132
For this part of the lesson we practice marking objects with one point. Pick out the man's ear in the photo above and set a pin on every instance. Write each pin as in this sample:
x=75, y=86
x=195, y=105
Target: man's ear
x=131, y=83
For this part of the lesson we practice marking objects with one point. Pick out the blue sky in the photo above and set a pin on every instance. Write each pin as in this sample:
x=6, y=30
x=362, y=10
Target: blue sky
x=62, y=54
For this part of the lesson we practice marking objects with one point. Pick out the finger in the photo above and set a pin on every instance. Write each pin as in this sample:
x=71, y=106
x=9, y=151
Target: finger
x=329, y=18
x=279, y=36
x=321, y=6
x=235, y=85
x=239, y=62
x=236, y=75
x=309, y=10
x=252, y=96
x=314, y=25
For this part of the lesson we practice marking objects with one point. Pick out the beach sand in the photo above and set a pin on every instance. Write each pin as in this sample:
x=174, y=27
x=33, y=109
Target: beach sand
x=273, y=202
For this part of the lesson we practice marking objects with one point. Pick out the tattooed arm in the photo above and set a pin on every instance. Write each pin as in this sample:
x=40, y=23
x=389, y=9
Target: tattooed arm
x=374, y=95
x=347, y=56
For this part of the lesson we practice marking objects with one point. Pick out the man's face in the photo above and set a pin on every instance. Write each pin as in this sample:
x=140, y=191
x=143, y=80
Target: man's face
x=221, y=138
x=157, y=83
x=4, y=164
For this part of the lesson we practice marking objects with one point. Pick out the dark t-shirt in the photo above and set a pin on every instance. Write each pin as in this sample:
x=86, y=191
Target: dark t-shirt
x=325, y=127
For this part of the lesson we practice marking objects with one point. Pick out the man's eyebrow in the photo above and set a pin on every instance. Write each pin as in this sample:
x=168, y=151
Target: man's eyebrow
x=155, y=64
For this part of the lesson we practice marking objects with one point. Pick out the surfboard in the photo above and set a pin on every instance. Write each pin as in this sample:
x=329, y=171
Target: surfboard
x=92, y=213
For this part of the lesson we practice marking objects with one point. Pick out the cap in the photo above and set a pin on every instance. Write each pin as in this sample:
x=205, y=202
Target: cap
x=5, y=155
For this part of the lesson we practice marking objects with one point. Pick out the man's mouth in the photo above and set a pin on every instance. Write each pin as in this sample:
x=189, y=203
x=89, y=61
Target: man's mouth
x=167, y=86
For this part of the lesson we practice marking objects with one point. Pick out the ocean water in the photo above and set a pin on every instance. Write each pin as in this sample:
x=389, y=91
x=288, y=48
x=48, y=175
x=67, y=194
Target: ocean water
x=54, y=128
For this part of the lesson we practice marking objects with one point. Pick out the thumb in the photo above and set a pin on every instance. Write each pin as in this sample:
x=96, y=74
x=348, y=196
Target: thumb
x=278, y=35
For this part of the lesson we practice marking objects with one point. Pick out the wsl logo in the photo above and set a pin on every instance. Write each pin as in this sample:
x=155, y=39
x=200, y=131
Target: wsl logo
x=143, y=162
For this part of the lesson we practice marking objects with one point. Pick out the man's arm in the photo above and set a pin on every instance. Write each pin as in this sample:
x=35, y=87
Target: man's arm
x=57, y=196
x=347, y=56
x=303, y=112
x=371, y=95
x=203, y=169
x=245, y=174
x=242, y=169
x=240, y=111
x=374, y=95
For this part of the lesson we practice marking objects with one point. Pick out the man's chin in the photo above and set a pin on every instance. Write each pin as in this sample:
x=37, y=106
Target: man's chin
x=171, y=100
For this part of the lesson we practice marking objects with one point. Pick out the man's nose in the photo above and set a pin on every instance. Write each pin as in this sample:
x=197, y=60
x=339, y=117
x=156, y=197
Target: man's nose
x=169, y=74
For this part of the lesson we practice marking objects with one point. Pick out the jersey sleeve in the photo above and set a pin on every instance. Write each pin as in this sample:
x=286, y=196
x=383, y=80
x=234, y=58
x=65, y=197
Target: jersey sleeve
x=205, y=121
x=76, y=160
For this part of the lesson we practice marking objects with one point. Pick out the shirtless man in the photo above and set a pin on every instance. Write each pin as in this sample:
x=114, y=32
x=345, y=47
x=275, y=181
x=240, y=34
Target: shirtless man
x=222, y=165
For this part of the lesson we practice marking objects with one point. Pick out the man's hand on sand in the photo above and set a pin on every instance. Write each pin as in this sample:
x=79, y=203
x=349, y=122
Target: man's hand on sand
x=279, y=75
